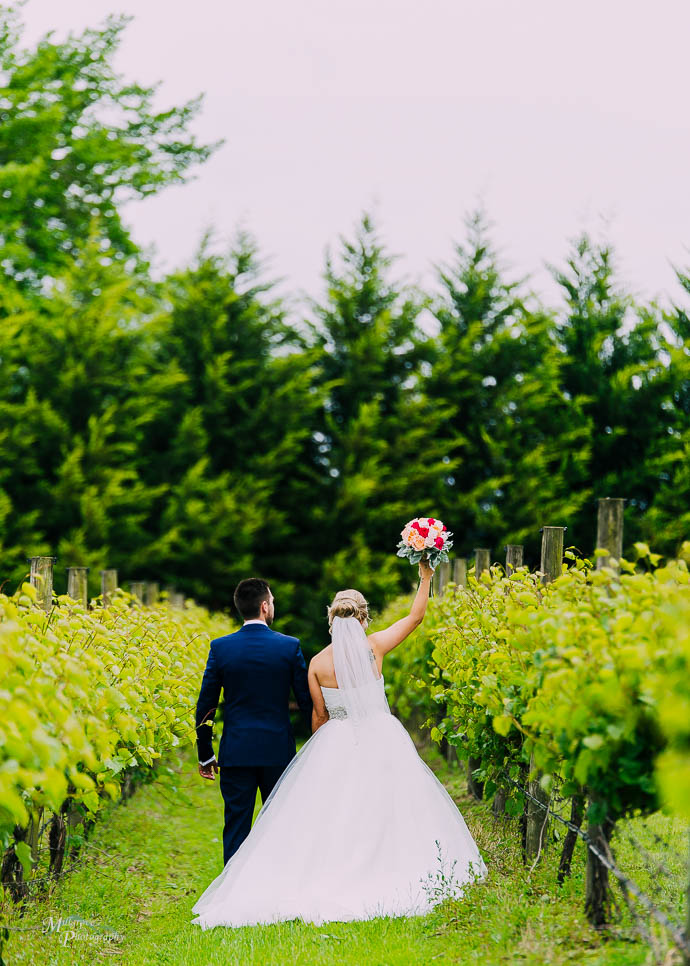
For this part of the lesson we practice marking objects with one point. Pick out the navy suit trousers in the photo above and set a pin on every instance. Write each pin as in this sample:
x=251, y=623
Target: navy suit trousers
x=238, y=785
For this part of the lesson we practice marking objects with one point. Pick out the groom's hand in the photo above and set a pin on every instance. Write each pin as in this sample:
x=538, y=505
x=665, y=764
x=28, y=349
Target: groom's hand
x=206, y=771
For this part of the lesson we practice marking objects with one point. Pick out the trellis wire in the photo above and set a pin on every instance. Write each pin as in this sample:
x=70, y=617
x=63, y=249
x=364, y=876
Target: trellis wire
x=627, y=884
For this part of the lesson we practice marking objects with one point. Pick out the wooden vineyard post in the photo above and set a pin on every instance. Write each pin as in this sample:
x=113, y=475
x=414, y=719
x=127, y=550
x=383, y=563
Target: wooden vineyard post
x=686, y=954
x=576, y=816
x=474, y=787
x=35, y=822
x=41, y=578
x=136, y=588
x=597, y=890
x=537, y=823
x=108, y=585
x=482, y=562
x=443, y=581
x=440, y=582
x=460, y=572
x=610, y=531
x=597, y=893
x=514, y=552
x=537, y=818
x=482, y=559
x=441, y=578
x=498, y=806
x=11, y=870
x=151, y=594
x=551, y=553
x=57, y=839
x=77, y=584
x=175, y=598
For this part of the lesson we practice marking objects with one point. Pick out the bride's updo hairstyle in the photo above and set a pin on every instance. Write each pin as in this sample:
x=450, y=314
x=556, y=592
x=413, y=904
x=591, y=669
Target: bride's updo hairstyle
x=348, y=603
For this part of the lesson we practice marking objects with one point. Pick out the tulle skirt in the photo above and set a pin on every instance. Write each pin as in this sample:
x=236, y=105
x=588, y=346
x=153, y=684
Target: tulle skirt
x=357, y=826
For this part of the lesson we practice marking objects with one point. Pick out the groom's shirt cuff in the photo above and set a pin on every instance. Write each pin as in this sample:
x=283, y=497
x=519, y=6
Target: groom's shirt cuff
x=212, y=758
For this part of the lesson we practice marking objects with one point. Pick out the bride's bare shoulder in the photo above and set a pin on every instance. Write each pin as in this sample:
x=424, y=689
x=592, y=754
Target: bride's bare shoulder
x=323, y=656
x=321, y=668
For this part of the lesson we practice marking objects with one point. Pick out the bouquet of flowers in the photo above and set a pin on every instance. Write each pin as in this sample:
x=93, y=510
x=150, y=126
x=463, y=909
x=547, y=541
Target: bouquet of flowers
x=425, y=537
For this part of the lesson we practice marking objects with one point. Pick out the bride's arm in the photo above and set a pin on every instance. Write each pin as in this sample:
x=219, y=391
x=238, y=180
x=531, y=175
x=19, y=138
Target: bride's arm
x=384, y=641
x=319, y=714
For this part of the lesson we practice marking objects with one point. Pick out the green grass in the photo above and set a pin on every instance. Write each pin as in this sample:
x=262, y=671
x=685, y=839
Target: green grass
x=149, y=859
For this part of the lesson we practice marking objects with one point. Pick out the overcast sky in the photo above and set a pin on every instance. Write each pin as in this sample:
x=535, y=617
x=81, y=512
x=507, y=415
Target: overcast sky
x=559, y=117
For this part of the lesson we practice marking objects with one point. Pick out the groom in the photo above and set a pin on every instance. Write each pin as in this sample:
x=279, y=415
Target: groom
x=256, y=667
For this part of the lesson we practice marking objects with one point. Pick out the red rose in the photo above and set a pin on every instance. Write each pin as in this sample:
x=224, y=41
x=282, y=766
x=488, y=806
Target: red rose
x=415, y=525
x=439, y=542
x=431, y=521
x=444, y=528
x=423, y=531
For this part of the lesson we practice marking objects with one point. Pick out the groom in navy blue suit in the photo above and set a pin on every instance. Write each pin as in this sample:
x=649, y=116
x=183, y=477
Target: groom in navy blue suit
x=256, y=668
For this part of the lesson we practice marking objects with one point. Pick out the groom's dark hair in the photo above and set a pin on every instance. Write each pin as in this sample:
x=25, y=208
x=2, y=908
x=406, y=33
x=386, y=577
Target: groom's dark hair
x=249, y=595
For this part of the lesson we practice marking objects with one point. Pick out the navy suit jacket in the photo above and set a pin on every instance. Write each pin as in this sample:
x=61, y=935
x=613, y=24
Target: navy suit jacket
x=256, y=667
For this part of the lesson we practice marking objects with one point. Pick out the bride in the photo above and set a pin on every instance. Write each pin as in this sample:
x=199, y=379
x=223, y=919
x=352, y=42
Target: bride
x=357, y=826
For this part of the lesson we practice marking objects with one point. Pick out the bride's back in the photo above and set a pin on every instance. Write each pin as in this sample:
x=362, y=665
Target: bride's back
x=360, y=655
x=346, y=603
x=322, y=663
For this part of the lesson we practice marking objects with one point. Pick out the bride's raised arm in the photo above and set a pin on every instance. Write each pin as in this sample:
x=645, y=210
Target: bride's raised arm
x=384, y=641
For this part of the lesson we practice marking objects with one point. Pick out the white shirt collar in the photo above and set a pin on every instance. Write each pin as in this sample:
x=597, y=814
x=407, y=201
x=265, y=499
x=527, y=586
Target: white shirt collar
x=255, y=620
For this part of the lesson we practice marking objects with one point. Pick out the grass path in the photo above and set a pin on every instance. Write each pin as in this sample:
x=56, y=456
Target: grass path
x=150, y=858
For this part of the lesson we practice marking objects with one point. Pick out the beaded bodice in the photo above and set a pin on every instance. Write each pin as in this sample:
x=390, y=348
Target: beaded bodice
x=334, y=703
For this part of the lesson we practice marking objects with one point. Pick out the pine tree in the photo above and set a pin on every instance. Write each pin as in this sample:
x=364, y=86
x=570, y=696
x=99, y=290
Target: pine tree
x=512, y=445
x=75, y=394
x=612, y=371
x=666, y=523
x=378, y=442
x=239, y=441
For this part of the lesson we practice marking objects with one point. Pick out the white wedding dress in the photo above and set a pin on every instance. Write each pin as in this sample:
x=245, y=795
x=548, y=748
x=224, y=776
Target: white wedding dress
x=357, y=826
